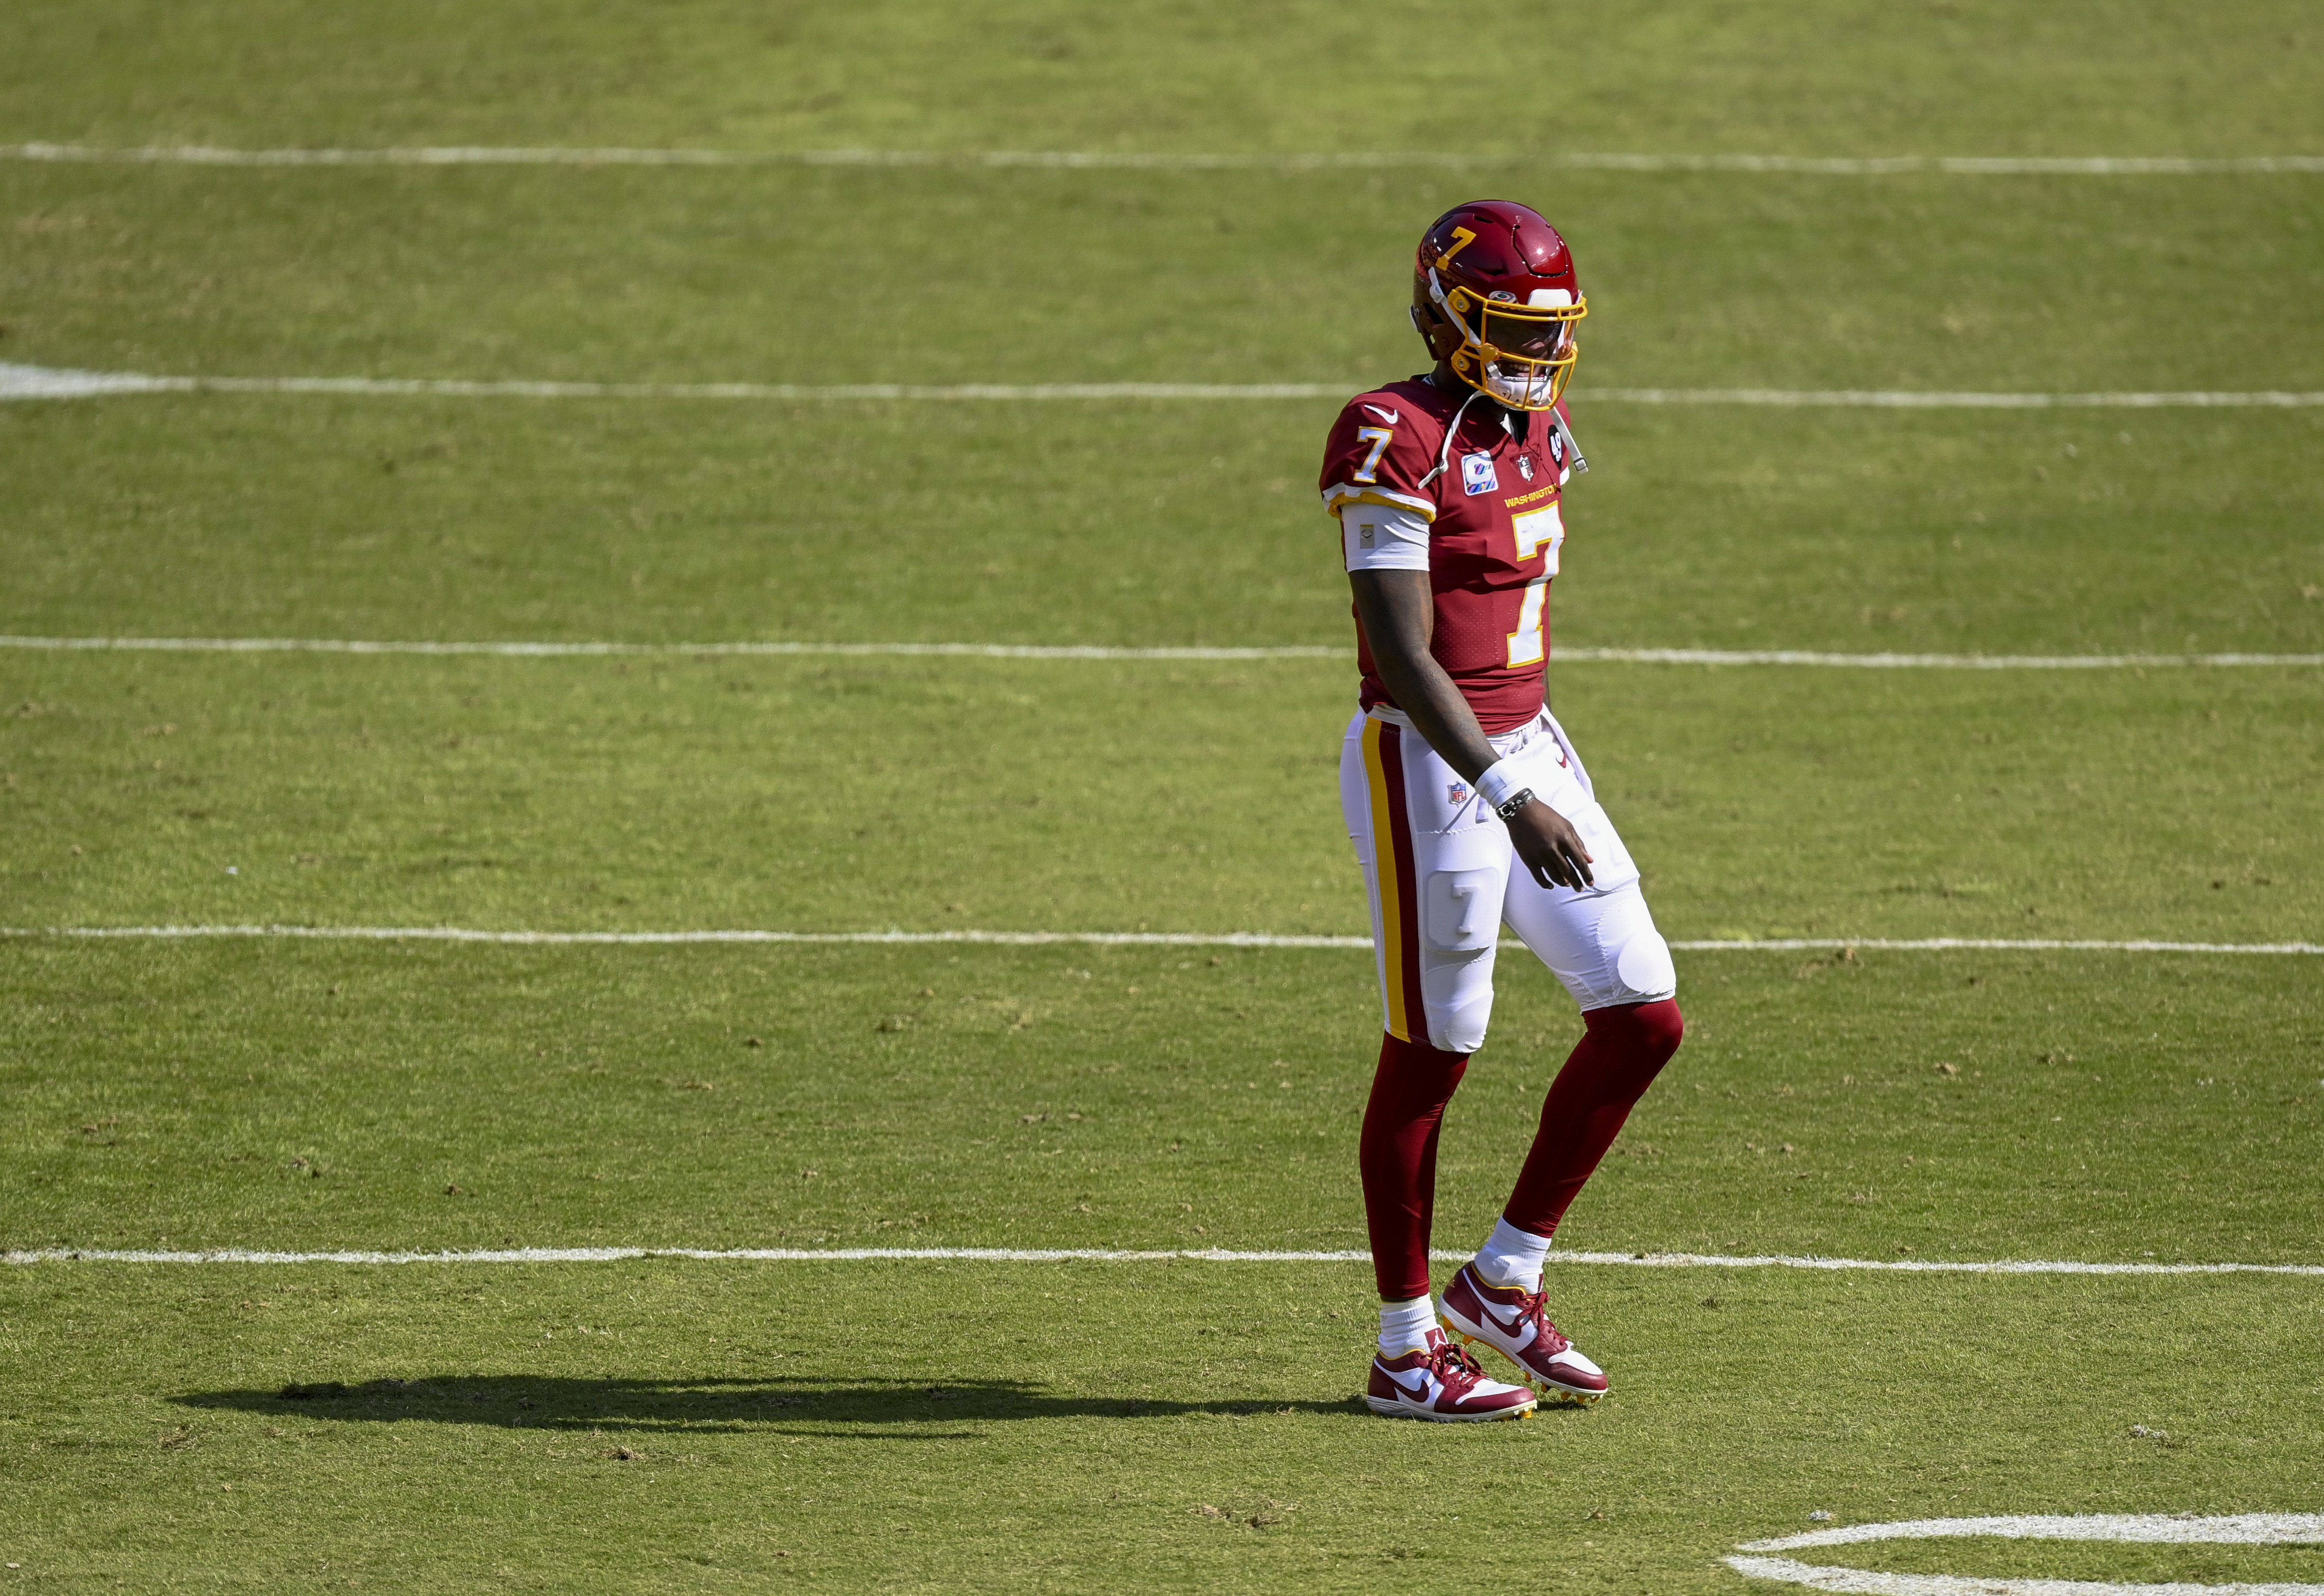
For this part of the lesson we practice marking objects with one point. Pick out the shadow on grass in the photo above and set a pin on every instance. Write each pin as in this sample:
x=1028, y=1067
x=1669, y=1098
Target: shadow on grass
x=825, y=1407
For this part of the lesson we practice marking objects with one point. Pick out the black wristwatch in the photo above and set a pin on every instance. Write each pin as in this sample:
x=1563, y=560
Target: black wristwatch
x=1509, y=806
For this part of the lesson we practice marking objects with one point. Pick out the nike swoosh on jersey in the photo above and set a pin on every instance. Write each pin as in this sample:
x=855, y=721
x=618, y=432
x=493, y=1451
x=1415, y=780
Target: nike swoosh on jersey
x=1390, y=417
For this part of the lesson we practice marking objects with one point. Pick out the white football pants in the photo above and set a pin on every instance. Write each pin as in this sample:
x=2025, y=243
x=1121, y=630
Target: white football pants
x=1444, y=879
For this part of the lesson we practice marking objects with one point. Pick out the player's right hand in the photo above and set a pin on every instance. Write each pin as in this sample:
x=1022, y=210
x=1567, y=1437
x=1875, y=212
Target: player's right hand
x=1550, y=846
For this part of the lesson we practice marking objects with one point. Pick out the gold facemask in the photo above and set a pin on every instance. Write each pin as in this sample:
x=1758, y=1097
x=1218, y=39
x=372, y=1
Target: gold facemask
x=1518, y=355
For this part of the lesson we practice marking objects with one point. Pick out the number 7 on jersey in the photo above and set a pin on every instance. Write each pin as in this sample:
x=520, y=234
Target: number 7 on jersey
x=1538, y=531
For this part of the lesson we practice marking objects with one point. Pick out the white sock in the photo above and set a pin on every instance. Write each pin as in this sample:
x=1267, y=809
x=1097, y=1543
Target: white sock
x=1512, y=1256
x=1405, y=1325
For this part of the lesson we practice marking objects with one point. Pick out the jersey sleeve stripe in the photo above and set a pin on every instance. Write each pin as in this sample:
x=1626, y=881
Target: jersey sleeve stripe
x=1336, y=499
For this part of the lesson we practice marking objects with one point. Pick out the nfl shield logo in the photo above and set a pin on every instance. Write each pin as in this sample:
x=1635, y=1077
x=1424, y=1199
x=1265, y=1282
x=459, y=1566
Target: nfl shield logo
x=1525, y=467
x=1477, y=474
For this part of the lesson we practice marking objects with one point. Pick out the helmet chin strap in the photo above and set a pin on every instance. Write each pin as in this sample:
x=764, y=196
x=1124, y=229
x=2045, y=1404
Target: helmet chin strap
x=1444, y=455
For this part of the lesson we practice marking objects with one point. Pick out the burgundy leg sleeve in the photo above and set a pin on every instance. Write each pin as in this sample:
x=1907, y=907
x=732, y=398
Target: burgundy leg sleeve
x=1398, y=1158
x=1611, y=1068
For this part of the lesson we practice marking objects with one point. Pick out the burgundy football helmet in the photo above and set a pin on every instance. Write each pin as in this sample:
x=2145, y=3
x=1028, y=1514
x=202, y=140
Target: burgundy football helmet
x=1495, y=298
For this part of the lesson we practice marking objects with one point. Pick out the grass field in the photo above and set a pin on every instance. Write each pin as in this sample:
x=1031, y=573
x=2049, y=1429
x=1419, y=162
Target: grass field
x=1170, y=1423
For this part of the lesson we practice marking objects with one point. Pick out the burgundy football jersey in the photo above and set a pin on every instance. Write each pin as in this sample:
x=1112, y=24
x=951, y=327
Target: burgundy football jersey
x=1494, y=531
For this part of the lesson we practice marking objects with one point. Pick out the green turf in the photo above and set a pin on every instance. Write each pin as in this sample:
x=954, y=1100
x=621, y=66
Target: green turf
x=1846, y=77
x=862, y=795
x=1182, y=1425
x=1175, y=1428
x=635, y=274
x=1139, y=524
x=1964, y=1105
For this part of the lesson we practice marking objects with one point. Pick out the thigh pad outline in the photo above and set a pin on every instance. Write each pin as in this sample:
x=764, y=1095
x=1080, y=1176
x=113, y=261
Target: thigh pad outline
x=1461, y=909
x=1644, y=967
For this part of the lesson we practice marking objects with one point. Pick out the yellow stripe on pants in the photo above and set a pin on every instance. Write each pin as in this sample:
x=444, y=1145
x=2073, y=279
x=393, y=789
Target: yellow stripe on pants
x=1391, y=882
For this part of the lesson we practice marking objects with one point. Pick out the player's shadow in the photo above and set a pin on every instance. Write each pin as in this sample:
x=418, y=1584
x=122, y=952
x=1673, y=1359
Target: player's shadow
x=898, y=1408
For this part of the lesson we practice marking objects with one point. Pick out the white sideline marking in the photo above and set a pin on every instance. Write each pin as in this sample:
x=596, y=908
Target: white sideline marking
x=1111, y=940
x=1664, y=1261
x=1164, y=161
x=1571, y=656
x=37, y=381
x=2248, y=1530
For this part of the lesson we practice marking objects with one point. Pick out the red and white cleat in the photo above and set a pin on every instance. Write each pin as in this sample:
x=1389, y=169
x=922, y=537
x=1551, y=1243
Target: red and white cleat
x=1515, y=1323
x=1441, y=1384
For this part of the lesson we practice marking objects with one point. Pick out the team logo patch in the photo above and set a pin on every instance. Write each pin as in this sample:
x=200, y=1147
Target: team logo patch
x=1478, y=475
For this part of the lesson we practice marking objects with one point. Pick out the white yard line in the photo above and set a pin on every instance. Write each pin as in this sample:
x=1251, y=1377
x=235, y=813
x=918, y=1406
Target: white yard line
x=56, y=382
x=1923, y=661
x=1571, y=655
x=2184, y=1529
x=310, y=645
x=2239, y=1529
x=1858, y=1582
x=25, y=381
x=1911, y=399
x=1659, y=1260
x=1167, y=160
x=1106, y=939
x=656, y=938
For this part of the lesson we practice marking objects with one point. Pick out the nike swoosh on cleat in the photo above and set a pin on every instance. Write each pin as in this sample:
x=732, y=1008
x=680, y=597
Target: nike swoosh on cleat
x=1390, y=417
x=1418, y=1393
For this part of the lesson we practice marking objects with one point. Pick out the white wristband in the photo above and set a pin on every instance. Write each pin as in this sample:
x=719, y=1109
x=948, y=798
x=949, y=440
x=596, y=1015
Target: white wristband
x=1500, y=783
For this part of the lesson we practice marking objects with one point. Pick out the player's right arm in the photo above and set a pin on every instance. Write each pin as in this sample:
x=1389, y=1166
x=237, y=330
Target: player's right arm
x=1380, y=465
x=1397, y=609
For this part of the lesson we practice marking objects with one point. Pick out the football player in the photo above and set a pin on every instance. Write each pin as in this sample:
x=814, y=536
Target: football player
x=1469, y=808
